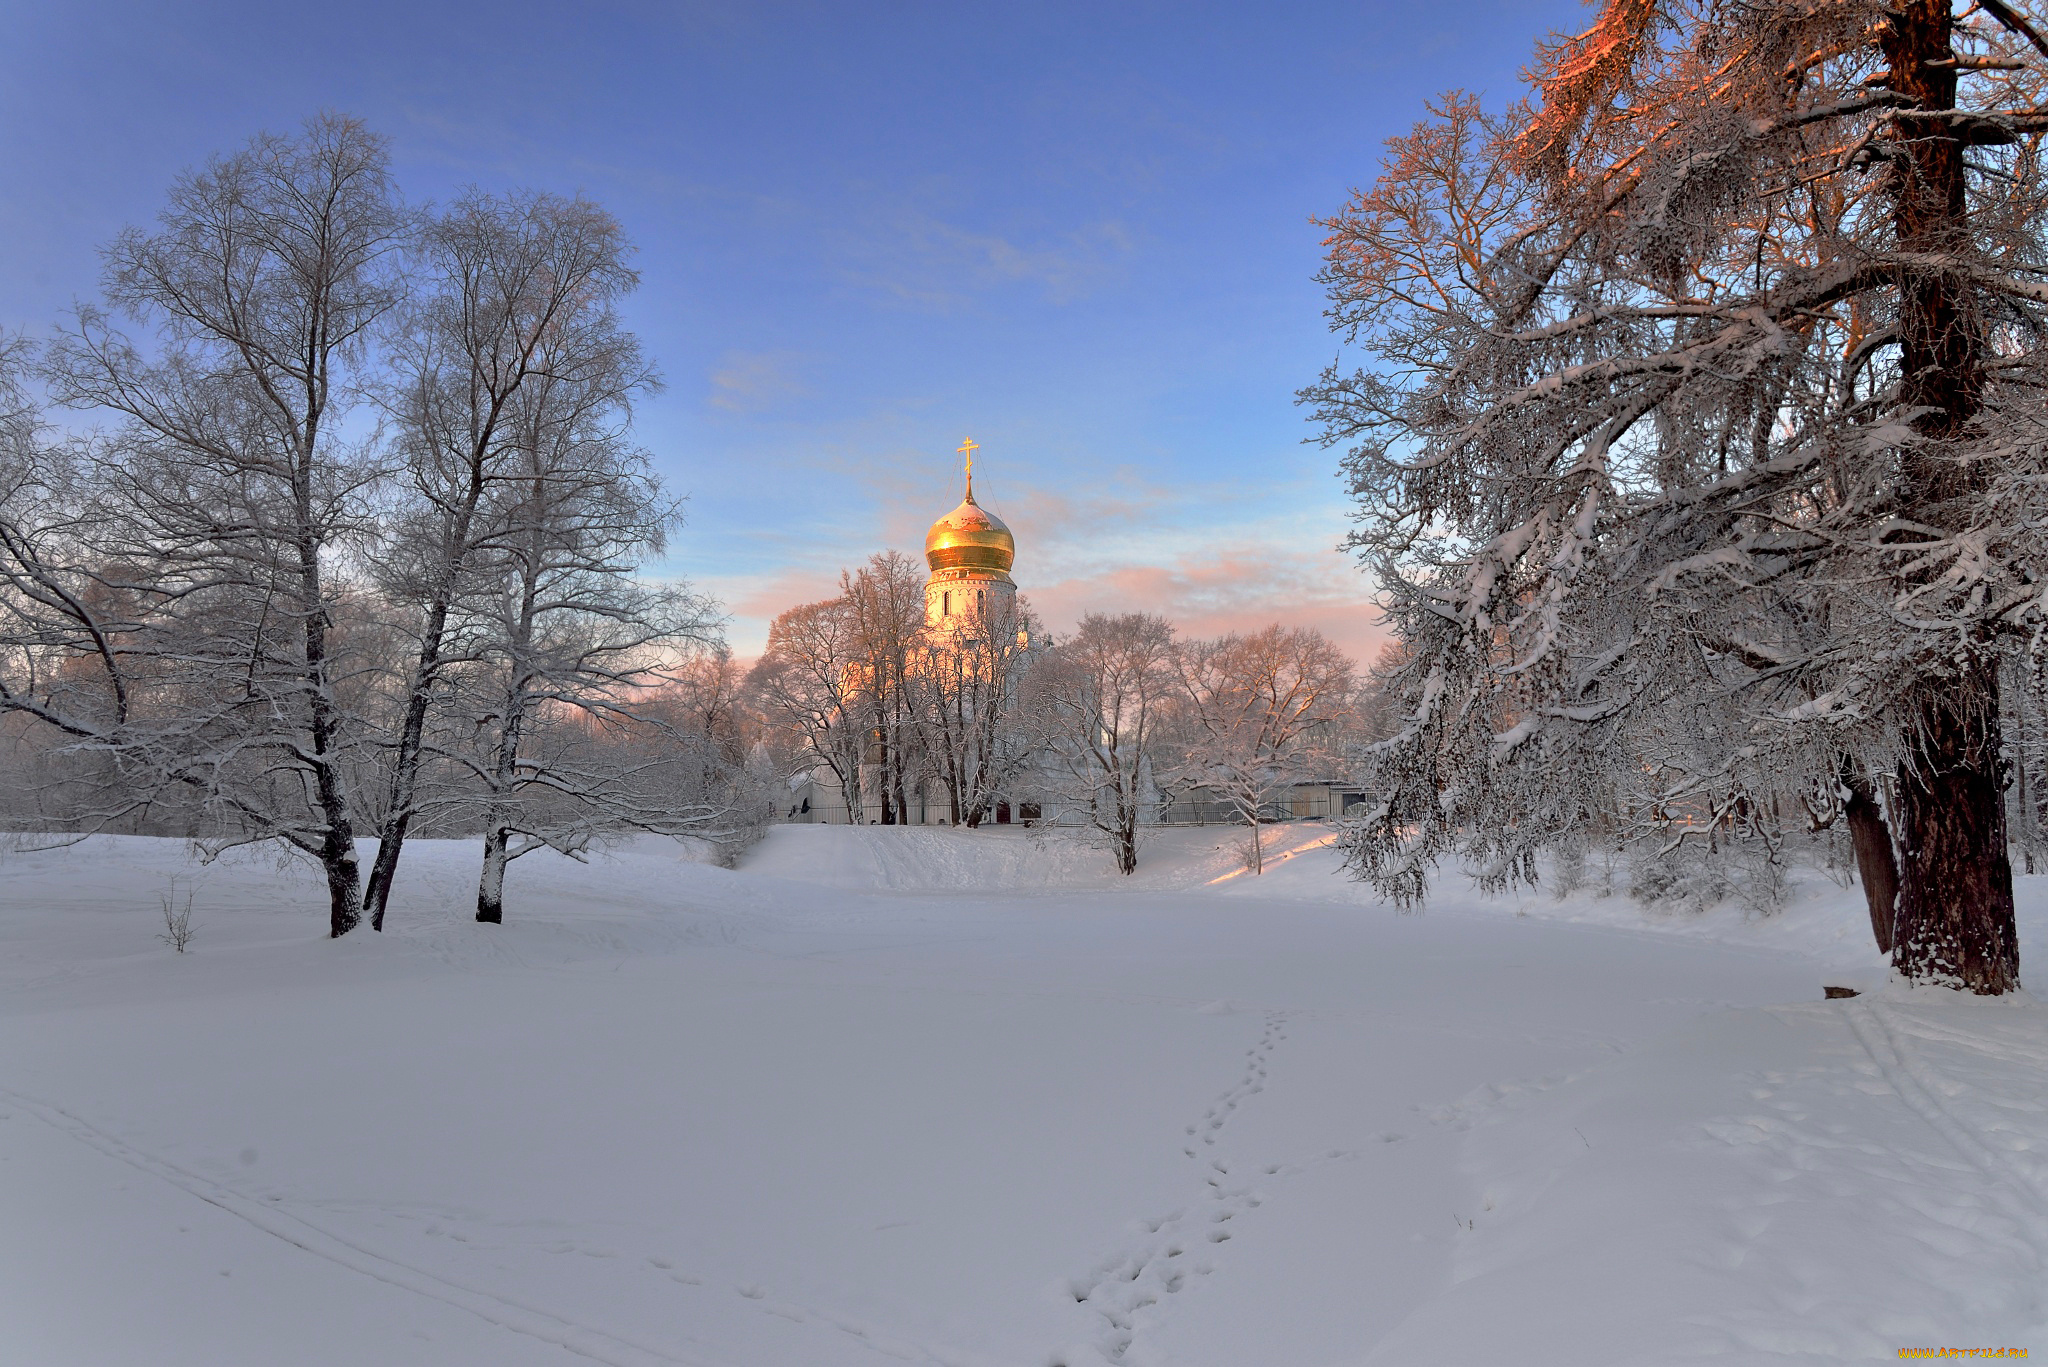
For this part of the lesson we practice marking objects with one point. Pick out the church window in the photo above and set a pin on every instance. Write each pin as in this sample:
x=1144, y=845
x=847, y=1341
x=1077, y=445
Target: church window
x=946, y=604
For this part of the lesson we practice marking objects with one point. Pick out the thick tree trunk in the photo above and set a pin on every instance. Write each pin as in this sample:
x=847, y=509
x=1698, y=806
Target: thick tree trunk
x=344, y=881
x=1955, y=923
x=490, y=888
x=1876, y=867
x=1954, y=919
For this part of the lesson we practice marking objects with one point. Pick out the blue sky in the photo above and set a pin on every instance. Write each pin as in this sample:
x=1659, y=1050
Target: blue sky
x=1075, y=232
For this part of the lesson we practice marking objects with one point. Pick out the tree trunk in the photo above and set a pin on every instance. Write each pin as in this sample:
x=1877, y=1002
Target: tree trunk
x=1954, y=919
x=1126, y=826
x=1955, y=924
x=405, y=761
x=398, y=816
x=490, y=888
x=344, y=881
x=898, y=778
x=1876, y=867
x=338, y=843
x=490, y=893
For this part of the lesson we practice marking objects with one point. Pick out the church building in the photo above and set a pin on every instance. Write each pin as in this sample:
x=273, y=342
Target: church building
x=969, y=553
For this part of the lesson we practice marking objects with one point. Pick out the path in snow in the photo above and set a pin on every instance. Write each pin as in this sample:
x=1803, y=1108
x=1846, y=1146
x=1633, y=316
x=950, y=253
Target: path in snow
x=925, y=1096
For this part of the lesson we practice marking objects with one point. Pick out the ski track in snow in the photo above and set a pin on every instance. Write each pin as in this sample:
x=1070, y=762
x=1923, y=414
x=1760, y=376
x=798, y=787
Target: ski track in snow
x=1117, y=1290
x=1923, y=1094
x=1968, y=1200
x=583, y=1340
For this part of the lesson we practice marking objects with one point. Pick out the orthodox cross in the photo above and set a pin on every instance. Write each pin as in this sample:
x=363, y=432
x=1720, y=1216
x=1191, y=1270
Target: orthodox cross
x=967, y=449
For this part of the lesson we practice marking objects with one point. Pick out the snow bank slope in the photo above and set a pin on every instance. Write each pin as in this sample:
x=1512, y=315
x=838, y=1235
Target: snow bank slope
x=1010, y=859
x=1302, y=864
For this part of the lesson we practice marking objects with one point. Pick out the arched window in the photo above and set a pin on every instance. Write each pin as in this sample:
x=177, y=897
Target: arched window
x=946, y=604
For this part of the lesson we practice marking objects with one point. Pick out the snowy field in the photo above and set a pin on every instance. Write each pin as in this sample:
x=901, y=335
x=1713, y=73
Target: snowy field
x=932, y=1097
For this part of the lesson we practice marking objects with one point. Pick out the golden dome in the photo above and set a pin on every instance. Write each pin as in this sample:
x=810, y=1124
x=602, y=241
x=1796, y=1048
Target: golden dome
x=970, y=538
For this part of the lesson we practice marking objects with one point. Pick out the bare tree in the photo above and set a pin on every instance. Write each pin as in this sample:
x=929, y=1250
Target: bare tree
x=66, y=682
x=62, y=654
x=228, y=597
x=571, y=643
x=964, y=676
x=805, y=681
x=885, y=603
x=1097, y=701
x=231, y=487
x=1257, y=707
x=706, y=697
x=716, y=740
x=514, y=287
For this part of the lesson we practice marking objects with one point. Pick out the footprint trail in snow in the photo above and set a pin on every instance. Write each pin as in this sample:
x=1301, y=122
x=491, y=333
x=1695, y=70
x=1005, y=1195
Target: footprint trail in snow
x=1179, y=1246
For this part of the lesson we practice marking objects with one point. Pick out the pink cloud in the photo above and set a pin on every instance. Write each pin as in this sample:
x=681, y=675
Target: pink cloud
x=1240, y=589
x=769, y=596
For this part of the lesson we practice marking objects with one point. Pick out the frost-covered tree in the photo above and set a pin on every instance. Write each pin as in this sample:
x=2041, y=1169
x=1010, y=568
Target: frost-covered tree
x=1700, y=451
x=2027, y=743
x=66, y=682
x=507, y=290
x=964, y=677
x=716, y=741
x=706, y=697
x=804, y=683
x=558, y=705
x=1098, y=704
x=222, y=506
x=1376, y=707
x=238, y=612
x=61, y=664
x=1261, y=711
x=885, y=606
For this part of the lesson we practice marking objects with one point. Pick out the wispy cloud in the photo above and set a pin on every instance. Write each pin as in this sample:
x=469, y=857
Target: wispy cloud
x=921, y=260
x=756, y=382
x=763, y=598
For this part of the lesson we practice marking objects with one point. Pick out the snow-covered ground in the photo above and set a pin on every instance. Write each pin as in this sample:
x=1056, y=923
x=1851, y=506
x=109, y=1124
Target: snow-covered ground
x=938, y=1097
